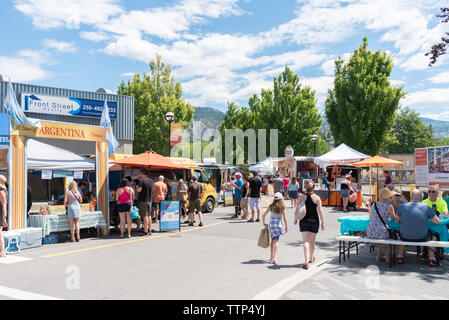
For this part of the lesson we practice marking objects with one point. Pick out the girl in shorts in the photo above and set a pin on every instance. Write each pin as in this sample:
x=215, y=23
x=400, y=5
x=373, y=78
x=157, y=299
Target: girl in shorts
x=277, y=210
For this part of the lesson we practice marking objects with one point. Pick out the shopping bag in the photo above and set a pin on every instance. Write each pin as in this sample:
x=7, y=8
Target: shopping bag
x=264, y=238
x=134, y=213
x=300, y=211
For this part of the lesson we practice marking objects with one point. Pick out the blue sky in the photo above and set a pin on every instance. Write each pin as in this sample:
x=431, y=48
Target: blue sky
x=221, y=50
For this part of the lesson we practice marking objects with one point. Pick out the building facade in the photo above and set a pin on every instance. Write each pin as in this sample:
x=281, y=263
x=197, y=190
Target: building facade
x=75, y=106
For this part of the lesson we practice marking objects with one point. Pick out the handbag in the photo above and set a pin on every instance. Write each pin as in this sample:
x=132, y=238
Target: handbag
x=353, y=197
x=392, y=233
x=264, y=238
x=300, y=211
x=134, y=213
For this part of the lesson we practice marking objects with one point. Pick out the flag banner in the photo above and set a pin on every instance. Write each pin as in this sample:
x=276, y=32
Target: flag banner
x=176, y=134
x=106, y=122
x=15, y=111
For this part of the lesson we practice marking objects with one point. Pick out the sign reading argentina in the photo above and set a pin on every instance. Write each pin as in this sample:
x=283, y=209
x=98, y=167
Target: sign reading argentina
x=66, y=106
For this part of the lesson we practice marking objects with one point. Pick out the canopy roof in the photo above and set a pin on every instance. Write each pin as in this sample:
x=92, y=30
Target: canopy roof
x=184, y=161
x=377, y=161
x=343, y=154
x=42, y=156
x=150, y=159
x=265, y=167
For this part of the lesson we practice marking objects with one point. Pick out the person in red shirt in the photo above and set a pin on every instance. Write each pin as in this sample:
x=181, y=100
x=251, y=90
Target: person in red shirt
x=286, y=181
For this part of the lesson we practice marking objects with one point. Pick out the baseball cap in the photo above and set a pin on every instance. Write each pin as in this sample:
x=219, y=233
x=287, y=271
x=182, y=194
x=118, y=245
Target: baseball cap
x=238, y=174
x=397, y=192
x=278, y=196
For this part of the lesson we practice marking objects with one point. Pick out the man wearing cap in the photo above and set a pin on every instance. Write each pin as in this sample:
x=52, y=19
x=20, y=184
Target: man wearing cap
x=398, y=198
x=278, y=184
x=195, y=192
x=438, y=205
x=237, y=184
x=413, y=218
x=159, y=194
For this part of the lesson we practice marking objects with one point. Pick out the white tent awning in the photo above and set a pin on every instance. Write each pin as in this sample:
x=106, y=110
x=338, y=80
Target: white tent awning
x=42, y=156
x=343, y=154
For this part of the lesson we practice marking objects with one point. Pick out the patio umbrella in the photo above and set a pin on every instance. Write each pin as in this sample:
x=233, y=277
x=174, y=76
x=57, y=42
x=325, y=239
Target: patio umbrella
x=376, y=162
x=150, y=159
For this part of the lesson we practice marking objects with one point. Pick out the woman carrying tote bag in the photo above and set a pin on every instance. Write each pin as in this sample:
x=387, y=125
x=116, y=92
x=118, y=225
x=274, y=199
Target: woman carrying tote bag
x=72, y=200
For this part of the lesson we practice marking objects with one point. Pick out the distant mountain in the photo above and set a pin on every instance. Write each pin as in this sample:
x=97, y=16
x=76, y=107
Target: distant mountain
x=440, y=128
x=209, y=117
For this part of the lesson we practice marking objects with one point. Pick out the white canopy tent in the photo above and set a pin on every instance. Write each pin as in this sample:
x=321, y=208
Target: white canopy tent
x=343, y=154
x=42, y=156
x=264, y=168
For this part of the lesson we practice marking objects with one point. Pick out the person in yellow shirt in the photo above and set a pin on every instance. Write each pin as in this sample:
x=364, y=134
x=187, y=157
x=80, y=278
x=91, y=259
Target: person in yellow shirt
x=438, y=205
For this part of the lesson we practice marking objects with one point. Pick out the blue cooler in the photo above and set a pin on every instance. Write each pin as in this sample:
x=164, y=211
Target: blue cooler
x=12, y=242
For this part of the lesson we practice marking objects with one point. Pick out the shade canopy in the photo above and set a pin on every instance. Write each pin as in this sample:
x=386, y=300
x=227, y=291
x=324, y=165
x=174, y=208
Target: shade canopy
x=377, y=161
x=265, y=167
x=42, y=156
x=343, y=154
x=150, y=159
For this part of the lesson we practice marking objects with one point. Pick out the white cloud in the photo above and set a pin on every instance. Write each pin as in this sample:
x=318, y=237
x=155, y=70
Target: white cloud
x=51, y=14
x=442, y=77
x=442, y=116
x=61, y=46
x=22, y=69
x=94, y=36
x=428, y=97
x=127, y=74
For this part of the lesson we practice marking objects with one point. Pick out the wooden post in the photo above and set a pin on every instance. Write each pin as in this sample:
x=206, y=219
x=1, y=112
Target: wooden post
x=102, y=183
x=17, y=178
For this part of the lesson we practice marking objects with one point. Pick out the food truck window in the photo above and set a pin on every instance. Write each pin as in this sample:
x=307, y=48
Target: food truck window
x=199, y=175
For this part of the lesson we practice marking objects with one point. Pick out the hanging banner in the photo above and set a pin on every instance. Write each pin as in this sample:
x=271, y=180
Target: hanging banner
x=62, y=174
x=46, y=175
x=78, y=174
x=4, y=131
x=169, y=215
x=432, y=166
x=176, y=134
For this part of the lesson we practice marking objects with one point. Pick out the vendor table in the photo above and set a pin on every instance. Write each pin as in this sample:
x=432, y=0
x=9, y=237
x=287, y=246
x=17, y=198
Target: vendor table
x=60, y=223
x=351, y=224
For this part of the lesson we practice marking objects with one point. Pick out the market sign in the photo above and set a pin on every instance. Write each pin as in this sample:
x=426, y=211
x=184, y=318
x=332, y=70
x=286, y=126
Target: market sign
x=170, y=218
x=59, y=130
x=432, y=166
x=66, y=106
x=4, y=131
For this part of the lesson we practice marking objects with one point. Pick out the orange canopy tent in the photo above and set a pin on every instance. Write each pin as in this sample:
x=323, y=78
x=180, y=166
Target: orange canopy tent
x=149, y=159
x=377, y=161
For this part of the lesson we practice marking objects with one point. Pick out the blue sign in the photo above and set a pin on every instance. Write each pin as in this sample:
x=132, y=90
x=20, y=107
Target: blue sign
x=66, y=106
x=4, y=131
x=62, y=173
x=169, y=215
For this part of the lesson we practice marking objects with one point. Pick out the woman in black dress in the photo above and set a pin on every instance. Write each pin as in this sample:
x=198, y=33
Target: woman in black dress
x=310, y=224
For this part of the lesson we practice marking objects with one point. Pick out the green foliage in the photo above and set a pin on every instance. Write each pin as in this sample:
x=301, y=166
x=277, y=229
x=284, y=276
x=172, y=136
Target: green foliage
x=409, y=133
x=361, y=109
x=288, y=107
x=442, y=142
x=155, y=94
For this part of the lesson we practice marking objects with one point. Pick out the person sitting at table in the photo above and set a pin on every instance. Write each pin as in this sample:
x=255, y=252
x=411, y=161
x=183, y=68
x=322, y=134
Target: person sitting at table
x=438, y=205
x=413, y=217
x=398, y=199
x=379, y=213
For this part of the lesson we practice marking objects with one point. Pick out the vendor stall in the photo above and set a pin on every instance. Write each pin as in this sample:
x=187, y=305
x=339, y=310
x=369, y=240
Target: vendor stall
x=337, y=164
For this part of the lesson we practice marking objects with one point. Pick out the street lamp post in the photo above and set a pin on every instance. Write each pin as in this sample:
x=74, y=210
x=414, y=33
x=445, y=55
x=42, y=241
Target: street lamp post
x=315, y=139
x=169, y=117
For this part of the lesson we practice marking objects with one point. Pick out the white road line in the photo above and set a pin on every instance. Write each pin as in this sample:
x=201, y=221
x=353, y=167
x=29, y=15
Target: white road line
x=276, y=291
x=13, y=259
x=23, y=295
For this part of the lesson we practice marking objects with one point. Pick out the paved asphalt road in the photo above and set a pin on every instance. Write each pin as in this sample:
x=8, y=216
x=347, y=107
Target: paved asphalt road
x=218, y=261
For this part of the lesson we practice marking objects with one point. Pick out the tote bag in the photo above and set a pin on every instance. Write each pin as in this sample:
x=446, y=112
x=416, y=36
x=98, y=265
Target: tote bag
x=300, y=211
x=264, y=238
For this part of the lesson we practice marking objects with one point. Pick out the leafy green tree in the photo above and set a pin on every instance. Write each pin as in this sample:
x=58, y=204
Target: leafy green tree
x=361, y=109
x=288, y=107
x=409, y=133
x=155, y=94
x=442, y=142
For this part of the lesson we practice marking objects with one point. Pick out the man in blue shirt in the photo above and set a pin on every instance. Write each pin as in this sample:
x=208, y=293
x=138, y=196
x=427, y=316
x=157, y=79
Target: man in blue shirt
x=413, y=218
x=237, y=193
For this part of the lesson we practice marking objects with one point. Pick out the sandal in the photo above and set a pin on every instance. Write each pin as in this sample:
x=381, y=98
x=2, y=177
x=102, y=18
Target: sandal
x=305, y=266
x=312, y=261
x=400, y=260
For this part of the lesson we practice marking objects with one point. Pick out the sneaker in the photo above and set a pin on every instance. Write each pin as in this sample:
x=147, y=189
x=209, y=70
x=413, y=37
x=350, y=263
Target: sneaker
x=200, y=225
x=191, y=224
